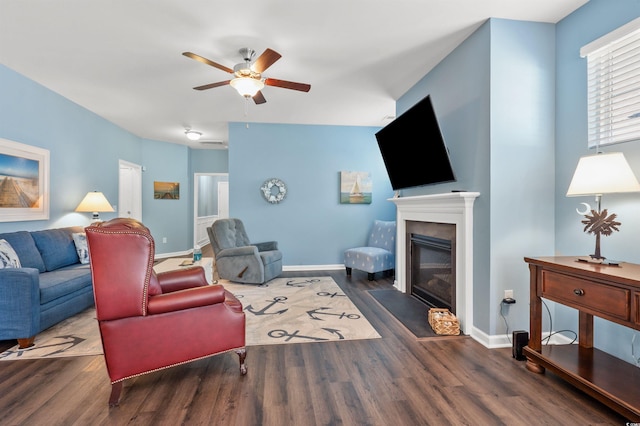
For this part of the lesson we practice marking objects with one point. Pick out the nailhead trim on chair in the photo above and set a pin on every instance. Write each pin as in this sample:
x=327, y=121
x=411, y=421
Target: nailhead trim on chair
x=176, y=364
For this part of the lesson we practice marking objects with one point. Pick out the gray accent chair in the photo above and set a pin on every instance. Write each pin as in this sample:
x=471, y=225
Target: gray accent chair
x=239, y=260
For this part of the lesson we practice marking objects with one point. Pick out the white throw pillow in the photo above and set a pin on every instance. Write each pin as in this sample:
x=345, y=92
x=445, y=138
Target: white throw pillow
x=8, y=256
x=80, y=240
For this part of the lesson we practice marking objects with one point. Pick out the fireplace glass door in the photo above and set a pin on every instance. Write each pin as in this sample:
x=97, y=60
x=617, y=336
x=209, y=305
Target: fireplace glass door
x=432, y=276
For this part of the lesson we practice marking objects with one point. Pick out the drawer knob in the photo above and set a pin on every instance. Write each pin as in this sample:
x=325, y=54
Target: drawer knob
x=578, y=292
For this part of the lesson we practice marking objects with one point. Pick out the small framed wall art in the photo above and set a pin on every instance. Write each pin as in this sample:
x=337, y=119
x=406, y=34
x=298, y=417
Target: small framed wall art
x=166, y=190
x=355, y=187
x=24, y=176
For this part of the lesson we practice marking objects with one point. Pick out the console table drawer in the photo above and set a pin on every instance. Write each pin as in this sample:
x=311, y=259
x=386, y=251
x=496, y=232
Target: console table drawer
x=602, y=298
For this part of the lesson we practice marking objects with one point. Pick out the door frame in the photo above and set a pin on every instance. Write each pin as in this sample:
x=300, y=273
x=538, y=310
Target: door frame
x=196, y=189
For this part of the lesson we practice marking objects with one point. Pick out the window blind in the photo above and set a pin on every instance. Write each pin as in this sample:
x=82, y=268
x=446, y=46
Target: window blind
x=613, y=84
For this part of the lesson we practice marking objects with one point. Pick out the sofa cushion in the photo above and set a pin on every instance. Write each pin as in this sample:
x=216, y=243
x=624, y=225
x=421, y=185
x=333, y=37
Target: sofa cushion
x=24, y=246
x=80, y=241
x=8, y=256
x=64, y=281
x=56, y=247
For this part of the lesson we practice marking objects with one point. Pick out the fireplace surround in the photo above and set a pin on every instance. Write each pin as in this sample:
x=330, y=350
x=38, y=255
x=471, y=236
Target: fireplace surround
x=454, y=208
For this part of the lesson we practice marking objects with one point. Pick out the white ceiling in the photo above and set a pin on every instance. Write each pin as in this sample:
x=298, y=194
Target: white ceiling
x=122, y=58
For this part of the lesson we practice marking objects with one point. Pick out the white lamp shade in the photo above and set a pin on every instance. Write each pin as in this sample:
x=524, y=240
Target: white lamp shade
x=603, y=173
x=247, y=86
x=94, y=202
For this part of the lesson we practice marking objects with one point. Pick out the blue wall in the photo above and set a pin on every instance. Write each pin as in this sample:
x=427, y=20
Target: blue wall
x=84, y=148
x=522, y=158
x=84, y=154
x=493, y=96
x=310, y=224
x=595, y=19
x=167, y=162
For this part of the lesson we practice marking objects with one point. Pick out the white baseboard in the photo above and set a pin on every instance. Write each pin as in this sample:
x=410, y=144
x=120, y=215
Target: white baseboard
x=504, y=340
x=174, y=254
x=313, y=267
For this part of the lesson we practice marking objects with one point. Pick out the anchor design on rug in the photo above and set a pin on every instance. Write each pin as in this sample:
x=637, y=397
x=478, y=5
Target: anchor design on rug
x=277, y=334
x=331, y=295
x=312, y=313
x=68, y=342
x=303, y=283
x=263, y=311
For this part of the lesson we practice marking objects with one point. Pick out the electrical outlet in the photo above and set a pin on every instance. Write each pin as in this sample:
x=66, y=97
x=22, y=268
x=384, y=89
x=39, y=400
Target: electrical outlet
x=508, y=294
x=164, y=240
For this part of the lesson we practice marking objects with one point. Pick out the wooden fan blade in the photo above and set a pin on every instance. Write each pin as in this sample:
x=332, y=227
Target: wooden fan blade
x=212, y=85
x=207, y=61
x=258, y=98
x=264, y=61
x=303, y=87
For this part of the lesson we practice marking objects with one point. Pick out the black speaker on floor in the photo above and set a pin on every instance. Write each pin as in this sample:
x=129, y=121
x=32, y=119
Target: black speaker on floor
x=520, y=340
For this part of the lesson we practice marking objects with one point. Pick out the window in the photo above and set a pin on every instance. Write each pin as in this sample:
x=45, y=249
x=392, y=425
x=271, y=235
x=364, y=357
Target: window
x=613, y=79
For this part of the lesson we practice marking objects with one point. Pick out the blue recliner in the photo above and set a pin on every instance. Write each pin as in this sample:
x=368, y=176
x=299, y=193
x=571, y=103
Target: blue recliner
x=379, y=253
x=239, y=260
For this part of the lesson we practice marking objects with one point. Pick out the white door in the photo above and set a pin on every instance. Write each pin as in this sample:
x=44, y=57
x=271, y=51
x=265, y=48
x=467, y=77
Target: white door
x=130, y=190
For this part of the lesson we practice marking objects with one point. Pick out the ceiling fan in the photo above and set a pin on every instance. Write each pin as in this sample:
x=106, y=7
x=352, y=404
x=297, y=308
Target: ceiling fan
x=248, y=79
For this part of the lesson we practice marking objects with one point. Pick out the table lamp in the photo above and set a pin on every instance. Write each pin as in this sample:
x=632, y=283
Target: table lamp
x=94, y=202
x=603, y=173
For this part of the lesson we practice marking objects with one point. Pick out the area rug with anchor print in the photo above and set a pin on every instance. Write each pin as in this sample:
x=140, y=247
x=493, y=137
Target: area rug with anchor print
x=298, y=310
x=284, y=310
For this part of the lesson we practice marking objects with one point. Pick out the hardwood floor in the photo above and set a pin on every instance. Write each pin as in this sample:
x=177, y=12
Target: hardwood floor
x=395, y=380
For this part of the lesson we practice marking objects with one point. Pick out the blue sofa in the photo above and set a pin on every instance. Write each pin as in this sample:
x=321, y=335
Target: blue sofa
x=50, y=286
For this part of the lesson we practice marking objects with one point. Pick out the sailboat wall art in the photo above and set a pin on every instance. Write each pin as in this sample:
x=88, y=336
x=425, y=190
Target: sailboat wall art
x=355, y=187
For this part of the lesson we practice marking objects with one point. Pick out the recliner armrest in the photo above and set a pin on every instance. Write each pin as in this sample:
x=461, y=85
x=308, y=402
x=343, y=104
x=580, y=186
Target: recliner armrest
x=267, y=246
x=180, y=279
x=237, y=251
x=185, y=299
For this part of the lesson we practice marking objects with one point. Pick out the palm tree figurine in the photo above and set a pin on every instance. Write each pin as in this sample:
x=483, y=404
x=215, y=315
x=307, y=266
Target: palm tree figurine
x=600, y=224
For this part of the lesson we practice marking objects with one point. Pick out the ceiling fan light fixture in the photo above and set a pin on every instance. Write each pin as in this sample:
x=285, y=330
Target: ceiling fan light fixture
x=247, y=86
x=193, y=135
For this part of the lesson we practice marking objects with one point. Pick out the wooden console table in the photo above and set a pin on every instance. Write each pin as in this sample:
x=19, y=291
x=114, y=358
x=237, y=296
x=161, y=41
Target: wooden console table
x=609, y=292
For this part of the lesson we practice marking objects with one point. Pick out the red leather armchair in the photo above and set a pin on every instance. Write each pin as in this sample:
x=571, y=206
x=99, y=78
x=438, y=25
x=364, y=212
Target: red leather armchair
x=152, y=321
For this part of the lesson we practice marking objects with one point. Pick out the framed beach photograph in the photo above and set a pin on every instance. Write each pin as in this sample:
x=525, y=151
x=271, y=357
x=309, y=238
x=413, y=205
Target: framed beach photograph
x=355, y=187
x=166, y=190
x=24, y=182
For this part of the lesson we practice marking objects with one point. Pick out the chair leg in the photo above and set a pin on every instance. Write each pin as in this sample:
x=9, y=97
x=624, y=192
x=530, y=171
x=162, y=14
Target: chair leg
x=348, y=271
x=242, y=354
x=116, y=388
x=370, y=275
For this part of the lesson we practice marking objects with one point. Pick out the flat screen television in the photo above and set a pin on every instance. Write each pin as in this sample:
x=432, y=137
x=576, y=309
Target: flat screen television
x=413, y=149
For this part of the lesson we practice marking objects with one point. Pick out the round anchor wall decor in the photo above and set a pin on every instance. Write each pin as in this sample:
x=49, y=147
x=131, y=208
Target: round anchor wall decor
x=274, y=190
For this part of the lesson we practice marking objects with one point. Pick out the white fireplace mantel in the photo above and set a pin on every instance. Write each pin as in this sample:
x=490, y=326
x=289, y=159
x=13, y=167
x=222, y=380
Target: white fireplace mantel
x=455, y=208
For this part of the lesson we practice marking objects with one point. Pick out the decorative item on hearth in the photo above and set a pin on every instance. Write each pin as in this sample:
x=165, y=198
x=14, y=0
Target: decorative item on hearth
x=444, y=322
x=273, y=190
x=596, y=175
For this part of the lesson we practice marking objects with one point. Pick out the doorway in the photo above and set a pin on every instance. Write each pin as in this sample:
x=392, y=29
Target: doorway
x=130, y=190
x=210, y=203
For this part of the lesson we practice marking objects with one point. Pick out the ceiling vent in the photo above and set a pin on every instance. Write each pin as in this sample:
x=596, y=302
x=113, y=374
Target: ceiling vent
x=217, y=143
